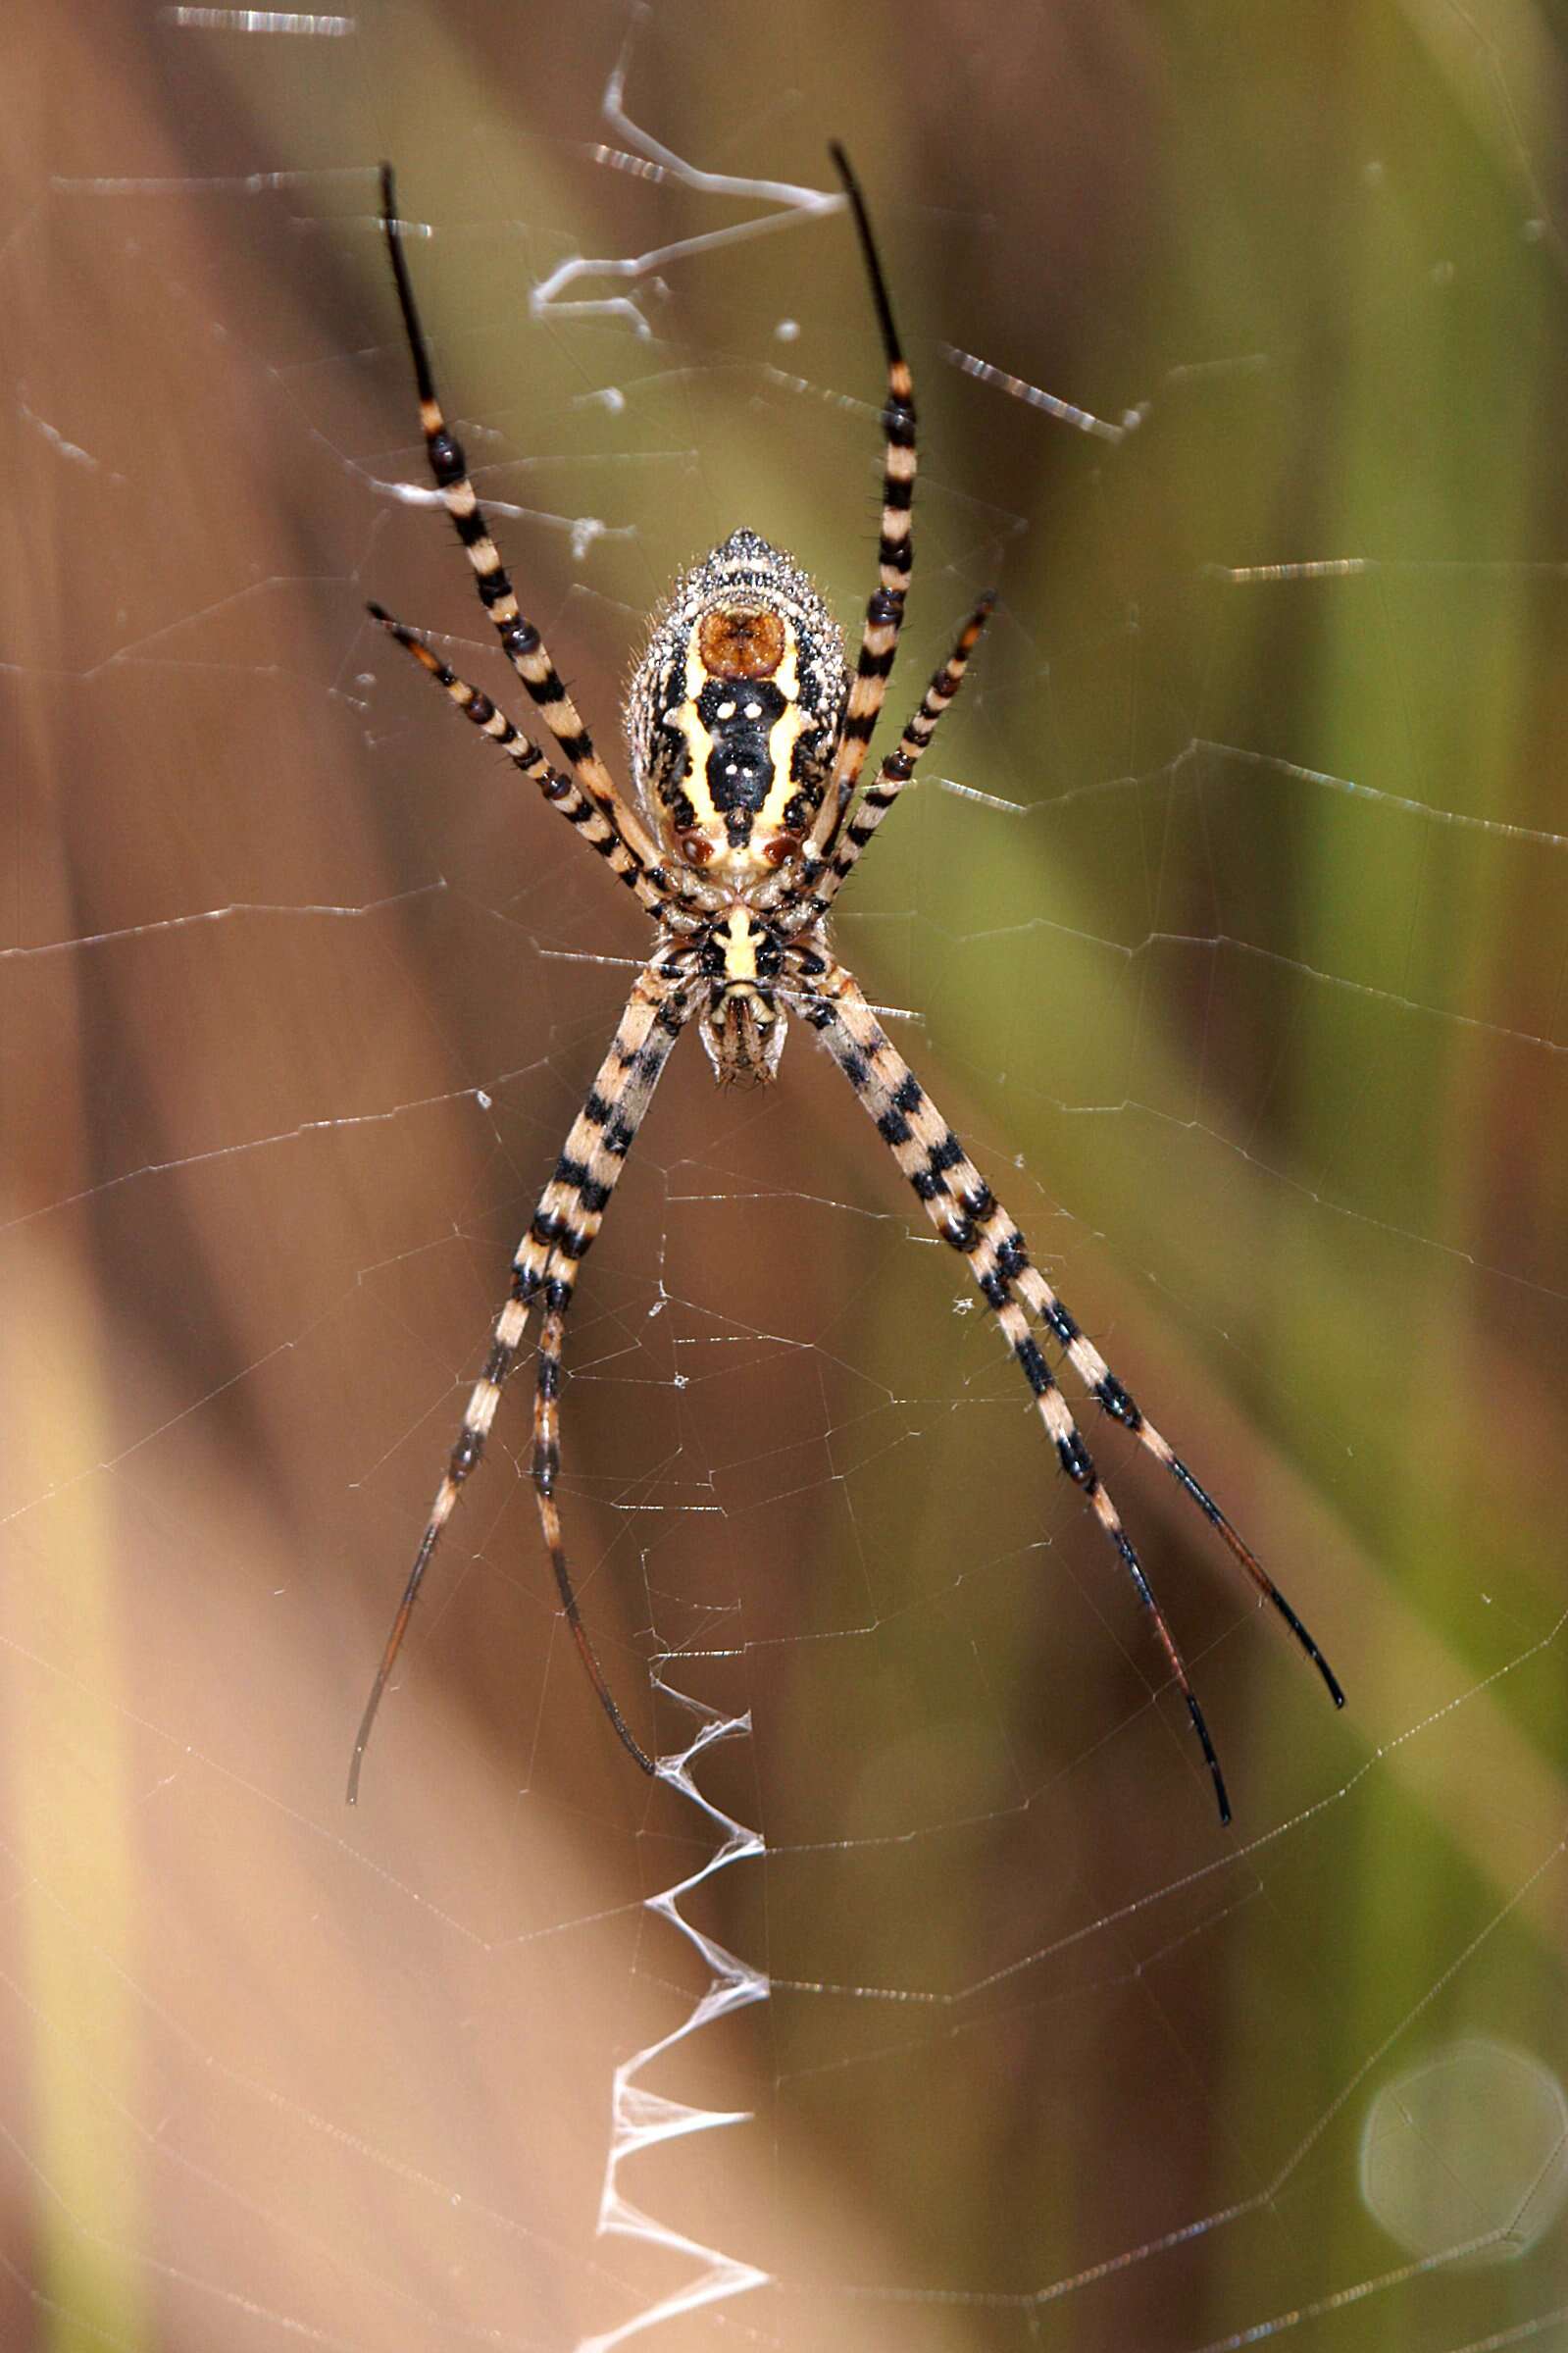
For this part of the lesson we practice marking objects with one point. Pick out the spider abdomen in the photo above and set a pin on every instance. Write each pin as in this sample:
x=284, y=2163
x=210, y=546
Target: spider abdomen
x=735, y=709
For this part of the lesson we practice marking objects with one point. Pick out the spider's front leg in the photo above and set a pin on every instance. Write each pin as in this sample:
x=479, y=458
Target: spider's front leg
x=969, y=1217
x=545, y=1266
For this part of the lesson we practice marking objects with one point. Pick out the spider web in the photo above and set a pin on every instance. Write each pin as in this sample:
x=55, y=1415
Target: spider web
x=922, y=2001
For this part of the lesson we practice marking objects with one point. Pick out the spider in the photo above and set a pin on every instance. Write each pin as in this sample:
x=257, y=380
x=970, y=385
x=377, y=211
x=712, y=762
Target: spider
x=747, y=734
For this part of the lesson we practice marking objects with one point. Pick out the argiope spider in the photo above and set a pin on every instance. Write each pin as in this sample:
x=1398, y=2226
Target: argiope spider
x=747, y=735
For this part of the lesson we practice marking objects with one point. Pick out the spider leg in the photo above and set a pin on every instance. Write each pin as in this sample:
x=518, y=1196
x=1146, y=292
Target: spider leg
x=970, y=1218
x=570, y=1213
x=565, y=1227
x=936, y=1139
x=821, y=876
x=1116, y=1400
x=960, y=1204
x=885, y=613
x=651, y=885
x=546, y=1466
x=520, y=639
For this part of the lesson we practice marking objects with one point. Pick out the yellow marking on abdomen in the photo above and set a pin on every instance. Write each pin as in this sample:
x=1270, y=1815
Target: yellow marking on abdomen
x=782, y=737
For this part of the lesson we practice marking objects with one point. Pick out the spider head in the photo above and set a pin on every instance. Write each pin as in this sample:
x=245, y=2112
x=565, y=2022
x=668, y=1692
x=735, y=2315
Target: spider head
x=742, y=1025
x=733, y=712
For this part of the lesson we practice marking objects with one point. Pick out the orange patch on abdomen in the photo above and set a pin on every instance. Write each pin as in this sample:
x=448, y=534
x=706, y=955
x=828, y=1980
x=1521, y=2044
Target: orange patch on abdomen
x=733, y=641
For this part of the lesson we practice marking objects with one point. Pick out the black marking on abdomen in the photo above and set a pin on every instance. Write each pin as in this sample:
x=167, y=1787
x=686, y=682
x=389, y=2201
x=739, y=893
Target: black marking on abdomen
x=739, y=714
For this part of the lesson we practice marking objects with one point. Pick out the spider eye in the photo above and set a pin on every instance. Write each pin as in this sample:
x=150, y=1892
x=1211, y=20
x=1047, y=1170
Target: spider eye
x=696, y=848
x=781, y=847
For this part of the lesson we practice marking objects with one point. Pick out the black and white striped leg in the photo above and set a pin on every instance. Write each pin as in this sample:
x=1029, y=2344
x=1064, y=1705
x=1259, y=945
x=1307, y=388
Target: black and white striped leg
x=885, y=613
x=650, y=885
x=909, y=1102
x=595, y=1153
x=1113, y=1398
x=568, y=1215
x=969, y=1217
x=519, y=638
x=546, y=1466
x=820, y=878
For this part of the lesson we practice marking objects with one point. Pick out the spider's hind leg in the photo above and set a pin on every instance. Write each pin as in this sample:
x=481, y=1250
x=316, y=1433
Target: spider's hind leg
x=895, y=560
x=649, y=883
x=520, y=639
x=824, y=873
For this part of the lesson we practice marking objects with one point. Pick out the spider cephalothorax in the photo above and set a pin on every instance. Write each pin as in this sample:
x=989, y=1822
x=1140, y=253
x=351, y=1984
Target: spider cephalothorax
x=748, y=736
x=743, y=1022
x=733, y=712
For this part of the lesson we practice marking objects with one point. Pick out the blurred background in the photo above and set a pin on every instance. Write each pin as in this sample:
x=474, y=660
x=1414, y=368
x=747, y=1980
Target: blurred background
x=1229, y=924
